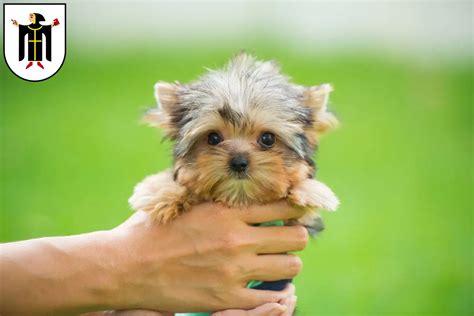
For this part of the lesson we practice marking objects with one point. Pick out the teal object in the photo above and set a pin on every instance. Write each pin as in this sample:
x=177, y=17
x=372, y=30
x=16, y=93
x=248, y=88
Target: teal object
x=251, y=284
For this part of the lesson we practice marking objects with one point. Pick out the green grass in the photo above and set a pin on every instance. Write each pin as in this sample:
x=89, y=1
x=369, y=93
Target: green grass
x=72, y=149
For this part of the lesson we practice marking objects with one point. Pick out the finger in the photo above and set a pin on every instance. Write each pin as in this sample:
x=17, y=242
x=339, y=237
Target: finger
x=286, y=302
x=282, y=210
x=274, y=268
x=231, y=312
x=291, y=288
x=269, y=309
x=138, y=312
x=290, y=301
x=291, y=308
x=251, y=298
x=279, y=239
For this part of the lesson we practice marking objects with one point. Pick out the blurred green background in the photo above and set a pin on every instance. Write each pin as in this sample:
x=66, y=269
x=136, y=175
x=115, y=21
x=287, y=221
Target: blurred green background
x=72, y=149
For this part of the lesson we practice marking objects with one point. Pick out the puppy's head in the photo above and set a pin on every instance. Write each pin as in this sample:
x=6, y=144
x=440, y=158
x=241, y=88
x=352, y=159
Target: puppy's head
x=243, y=134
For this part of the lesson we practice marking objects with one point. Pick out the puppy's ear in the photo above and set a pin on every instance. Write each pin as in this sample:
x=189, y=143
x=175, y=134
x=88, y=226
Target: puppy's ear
x=316, y=98
x=165, y=115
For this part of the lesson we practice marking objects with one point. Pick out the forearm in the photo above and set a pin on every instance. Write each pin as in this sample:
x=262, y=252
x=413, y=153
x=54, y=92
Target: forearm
x=57, y=275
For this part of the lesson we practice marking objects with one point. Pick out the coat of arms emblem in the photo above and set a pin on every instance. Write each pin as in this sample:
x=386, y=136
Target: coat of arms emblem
x=34, y=39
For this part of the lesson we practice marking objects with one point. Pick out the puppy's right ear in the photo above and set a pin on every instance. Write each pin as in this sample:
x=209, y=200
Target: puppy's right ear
x=165, y=114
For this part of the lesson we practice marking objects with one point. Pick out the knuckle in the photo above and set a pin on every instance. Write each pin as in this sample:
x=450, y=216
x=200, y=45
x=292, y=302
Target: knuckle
x=230, y=242
x=219, y=298
x=228, y=272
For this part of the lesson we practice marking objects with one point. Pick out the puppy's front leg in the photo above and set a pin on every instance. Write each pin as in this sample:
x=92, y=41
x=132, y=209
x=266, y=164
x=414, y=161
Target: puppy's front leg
x=313, y=195
x=161, y=196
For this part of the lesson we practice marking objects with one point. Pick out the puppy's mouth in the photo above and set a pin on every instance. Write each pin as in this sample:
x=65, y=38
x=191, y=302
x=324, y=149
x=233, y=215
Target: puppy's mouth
x=239, y=175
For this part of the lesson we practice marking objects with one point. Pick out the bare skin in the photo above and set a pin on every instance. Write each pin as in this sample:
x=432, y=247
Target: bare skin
x=199, y=262
x=285, y=307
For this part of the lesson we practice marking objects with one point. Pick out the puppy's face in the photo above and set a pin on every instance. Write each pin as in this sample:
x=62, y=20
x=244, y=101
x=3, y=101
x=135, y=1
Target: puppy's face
x=243, y=134
x=240, y=163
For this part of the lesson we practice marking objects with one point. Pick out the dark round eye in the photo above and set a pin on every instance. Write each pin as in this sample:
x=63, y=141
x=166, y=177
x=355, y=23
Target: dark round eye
x=267, y=140
x=213, y=139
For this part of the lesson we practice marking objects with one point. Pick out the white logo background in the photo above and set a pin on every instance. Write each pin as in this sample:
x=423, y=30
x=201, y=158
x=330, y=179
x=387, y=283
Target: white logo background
x=21, y=13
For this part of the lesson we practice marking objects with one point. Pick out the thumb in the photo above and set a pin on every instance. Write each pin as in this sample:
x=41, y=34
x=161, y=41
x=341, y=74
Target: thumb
x=269, y=309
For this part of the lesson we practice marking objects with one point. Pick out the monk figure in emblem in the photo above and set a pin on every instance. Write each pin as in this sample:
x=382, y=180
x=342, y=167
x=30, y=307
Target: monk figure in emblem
x=35, y=33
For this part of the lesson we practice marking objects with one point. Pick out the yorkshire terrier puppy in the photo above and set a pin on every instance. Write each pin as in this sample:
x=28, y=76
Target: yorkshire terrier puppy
x=243, y=134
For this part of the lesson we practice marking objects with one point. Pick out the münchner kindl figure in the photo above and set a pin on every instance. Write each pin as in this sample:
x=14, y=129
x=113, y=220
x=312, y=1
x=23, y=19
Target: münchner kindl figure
x=34, y=33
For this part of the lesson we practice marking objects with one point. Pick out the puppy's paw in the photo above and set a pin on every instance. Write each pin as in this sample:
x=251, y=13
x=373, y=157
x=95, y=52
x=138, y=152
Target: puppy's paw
x=160, y=196
x=312, y=221
x=313, y=194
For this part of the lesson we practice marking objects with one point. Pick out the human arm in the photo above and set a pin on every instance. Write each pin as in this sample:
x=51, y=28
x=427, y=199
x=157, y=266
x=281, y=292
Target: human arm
x=62, y=275
x=199, y=262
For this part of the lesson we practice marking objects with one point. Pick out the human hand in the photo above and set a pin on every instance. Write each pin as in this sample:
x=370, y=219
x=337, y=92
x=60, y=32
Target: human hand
x=285, y=307
x=15, y=22
x=203, y=260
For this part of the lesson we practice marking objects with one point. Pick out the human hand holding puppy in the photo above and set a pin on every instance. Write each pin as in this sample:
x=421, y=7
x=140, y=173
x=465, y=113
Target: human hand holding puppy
x=201, y=261
x=219, y=252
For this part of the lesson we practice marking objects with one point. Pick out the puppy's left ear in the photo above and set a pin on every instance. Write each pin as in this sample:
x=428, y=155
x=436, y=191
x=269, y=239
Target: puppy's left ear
x=316, y=98
x=165, y=115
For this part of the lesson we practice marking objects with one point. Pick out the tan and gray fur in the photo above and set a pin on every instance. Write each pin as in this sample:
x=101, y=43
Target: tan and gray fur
x=239, y=102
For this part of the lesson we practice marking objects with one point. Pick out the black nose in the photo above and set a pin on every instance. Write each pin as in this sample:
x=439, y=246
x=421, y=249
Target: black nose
x=239, y=163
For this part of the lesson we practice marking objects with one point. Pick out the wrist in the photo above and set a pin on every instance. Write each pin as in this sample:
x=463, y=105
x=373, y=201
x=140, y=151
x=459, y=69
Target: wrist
x=122, y=287
x=98, y=279
x=135, y=271
x=107, y=290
